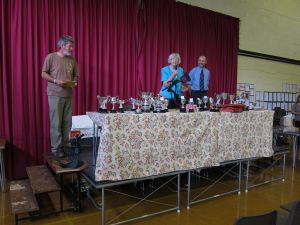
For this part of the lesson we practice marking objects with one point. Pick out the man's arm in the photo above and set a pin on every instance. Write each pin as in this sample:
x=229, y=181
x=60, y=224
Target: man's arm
x=295, y=113
x=48, y=78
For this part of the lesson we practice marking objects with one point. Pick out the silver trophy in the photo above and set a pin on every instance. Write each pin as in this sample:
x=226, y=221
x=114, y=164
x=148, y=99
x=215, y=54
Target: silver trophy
x=212, y=104
x=146, y=101
x=157, y=106
x=133, y=102
x=139, y=106
x=103, y=100
x=224, y=97
x=199, y=103
x=163, y=104
x=182, y=102
x=166, y=103
x=205, y=100
x=121, y=107
x=218, y=96
x=231, y=97
x=114, y=101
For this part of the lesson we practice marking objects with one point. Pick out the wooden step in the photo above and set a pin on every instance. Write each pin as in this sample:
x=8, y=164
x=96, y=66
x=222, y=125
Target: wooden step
x=22, y=198
x=41, y=180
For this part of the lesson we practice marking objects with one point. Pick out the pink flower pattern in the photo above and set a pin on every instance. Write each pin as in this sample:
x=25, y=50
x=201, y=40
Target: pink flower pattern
x=140, y=145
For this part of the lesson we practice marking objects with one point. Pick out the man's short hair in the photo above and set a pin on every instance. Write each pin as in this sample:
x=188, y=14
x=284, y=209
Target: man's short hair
x=63, y=40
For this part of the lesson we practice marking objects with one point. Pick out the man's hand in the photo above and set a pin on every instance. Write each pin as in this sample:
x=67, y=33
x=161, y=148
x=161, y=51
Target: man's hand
x=60, y=83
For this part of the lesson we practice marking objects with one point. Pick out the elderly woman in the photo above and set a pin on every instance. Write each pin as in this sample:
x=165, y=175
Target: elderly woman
x=170, y=77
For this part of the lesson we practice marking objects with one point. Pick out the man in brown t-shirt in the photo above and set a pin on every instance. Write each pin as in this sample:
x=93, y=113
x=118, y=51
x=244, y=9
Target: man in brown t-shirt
x=61, y=72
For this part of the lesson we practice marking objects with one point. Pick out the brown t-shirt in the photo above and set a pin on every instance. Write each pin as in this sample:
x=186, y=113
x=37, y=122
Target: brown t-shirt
x=60, y=68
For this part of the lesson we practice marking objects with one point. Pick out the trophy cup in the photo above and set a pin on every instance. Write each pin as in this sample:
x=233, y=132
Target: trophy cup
x=205, y=100
x=139, y=106
x=113, y=101
x=163, y=105
x=146, y=101
x=157, y=105
x=199, y=103
x=103, y=100
x=133, y=102
x=218, y=96
x=224, y=97
x=121, y=103
x=231, y=97
x=166, y=103
x=212, y=105
x=182, y=101
x=191, y=105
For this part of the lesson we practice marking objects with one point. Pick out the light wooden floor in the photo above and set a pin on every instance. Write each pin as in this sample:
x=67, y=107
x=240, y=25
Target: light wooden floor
x=220, y=211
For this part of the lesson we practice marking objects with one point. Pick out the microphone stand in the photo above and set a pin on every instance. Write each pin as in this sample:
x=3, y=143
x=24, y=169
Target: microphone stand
x=174, y=83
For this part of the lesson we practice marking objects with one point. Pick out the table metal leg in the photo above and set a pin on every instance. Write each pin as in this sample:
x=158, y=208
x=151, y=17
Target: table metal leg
x=240, y=177
x=2, y=171
x=247, y=175
x=178, y=194
x=78, y=206
x=189, y=190
x=61, y=193
x=295, y=150
x=103, y=207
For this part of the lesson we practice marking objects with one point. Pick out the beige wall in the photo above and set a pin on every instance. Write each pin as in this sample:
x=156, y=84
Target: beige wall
x=269, y=27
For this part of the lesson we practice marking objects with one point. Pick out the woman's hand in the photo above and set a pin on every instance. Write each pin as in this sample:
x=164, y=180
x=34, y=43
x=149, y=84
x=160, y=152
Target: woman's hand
x=166, y=83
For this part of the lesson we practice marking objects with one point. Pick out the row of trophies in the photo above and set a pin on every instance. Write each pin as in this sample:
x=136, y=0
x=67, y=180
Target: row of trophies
x=159, y=104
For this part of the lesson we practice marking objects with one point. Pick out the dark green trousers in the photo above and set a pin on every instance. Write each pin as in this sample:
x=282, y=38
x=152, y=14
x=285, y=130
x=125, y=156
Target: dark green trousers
x=60, y=111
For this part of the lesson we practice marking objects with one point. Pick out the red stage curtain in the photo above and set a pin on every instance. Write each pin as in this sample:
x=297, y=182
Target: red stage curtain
x=120, y=49
x=105, y=38
x=171, y=26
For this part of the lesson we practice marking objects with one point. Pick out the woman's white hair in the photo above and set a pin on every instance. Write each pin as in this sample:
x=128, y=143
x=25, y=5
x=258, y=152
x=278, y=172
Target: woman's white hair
x=174, y=56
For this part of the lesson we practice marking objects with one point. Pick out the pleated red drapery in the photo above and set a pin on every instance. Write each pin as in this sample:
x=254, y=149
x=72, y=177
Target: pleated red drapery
x=190, y=31
x=120, y=47
x=104, y=33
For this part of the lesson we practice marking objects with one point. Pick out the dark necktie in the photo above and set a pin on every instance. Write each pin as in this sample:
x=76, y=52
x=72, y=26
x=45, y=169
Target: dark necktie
x=201, y=81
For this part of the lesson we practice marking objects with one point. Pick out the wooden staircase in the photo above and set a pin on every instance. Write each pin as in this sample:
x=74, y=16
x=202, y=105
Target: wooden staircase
x=24, y=193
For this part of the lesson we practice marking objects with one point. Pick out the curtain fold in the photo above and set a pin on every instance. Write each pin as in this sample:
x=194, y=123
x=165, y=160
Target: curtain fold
x=120, y=46
x=190, y=31
x=104, y=34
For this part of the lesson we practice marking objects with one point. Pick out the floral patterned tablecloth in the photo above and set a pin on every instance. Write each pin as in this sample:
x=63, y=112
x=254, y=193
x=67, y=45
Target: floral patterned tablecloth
x=140, y=145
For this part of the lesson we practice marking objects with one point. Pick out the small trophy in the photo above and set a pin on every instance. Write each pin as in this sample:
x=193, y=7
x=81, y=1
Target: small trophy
x=133, y=102
x=212, y=105
x=113, y=101
x=121, y=103
x=157, y=105
x=218, y=96
x=139, y=106
x=191, y=105
x=231, y=97
x=163, y=105
x=205, y=100
x=199, y=103
x=146, y=101
x=103, y=100
x=224, y=97
x=166, y=102
x=182, y=102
